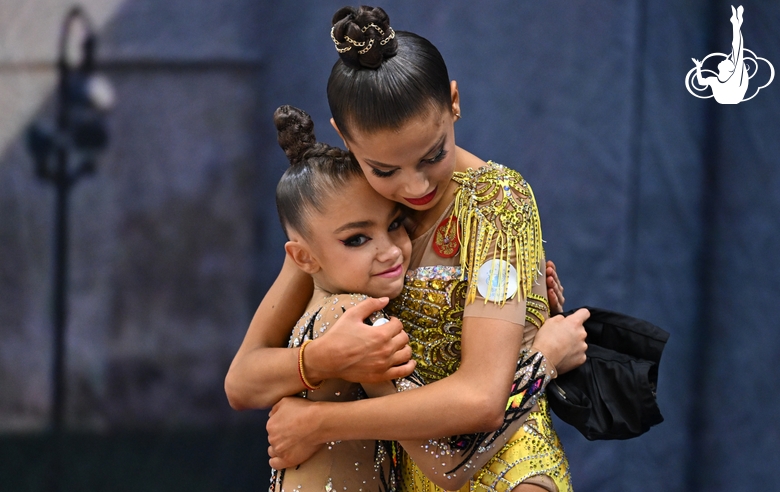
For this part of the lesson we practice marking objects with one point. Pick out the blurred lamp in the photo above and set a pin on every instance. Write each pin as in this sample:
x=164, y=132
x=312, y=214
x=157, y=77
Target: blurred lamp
x=62, y=153
x=67, y=151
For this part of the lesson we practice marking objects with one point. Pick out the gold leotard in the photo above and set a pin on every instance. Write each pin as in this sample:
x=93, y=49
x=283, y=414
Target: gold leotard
x=498, y=221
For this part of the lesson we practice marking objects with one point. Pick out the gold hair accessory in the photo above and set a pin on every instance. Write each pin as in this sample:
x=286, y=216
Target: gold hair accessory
x=388, y=38
x=340, y=50
x=353, y=42
x=366, y=28
x=365, y=50
x=305, y=381
x=350, y=41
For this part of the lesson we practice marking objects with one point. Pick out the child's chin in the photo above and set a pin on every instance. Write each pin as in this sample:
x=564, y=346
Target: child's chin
x=395, y=292
x=390, y=292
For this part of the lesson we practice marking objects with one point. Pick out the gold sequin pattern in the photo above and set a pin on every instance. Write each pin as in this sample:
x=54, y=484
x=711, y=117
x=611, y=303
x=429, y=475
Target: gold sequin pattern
x=497, y=214
x=537, y=309
x=532, y=451
x=498, y=219
x=431, y=310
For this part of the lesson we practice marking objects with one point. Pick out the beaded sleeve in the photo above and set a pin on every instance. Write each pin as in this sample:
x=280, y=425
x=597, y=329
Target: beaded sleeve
x=498, y=220
x=445, y=459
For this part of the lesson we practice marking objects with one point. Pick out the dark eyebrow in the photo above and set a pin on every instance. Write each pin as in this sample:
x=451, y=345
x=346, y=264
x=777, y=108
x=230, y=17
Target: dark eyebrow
x=366, y=223
x=354, y=225
x=435, y=146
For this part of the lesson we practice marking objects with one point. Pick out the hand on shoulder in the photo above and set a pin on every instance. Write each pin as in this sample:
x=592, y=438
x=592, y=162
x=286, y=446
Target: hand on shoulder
x=356, y=352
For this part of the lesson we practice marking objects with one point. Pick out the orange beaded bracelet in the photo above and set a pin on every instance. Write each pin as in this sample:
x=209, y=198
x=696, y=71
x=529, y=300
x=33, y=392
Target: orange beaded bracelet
x=300, y=368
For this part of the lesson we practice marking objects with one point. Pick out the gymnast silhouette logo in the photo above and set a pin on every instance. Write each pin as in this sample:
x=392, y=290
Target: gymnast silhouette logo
x=735, y=70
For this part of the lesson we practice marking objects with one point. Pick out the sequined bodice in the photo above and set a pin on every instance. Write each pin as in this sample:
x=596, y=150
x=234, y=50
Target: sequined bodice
x=498, y=230
x=431, y=309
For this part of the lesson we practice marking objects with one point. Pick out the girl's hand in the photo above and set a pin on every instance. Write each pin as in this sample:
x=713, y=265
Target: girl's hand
x=356, y=352
x=554, y=289
x=290, y=426
x=562, y=340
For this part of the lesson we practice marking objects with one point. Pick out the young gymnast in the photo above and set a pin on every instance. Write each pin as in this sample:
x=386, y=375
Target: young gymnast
x=352, y=242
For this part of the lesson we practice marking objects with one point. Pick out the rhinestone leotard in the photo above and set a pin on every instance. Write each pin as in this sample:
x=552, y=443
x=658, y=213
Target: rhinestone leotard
x=363, y=465
x=492, y=202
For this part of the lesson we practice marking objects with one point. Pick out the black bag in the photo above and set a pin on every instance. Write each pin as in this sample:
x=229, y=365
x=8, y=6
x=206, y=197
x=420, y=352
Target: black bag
x=612, y=395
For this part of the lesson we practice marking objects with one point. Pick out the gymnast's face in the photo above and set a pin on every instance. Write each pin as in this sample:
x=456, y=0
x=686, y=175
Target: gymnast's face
x=357, y=244
x=413, y=164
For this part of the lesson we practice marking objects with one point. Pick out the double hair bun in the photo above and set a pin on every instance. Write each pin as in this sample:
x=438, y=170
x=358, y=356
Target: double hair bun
x=363, y=36
x=295, y=134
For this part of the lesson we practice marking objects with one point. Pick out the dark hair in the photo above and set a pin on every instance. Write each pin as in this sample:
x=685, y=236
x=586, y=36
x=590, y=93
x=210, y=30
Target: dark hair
x=316, y=170
x=389, y=83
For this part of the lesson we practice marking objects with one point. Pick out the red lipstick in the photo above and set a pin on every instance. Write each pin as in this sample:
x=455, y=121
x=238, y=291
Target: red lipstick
x=422, y=200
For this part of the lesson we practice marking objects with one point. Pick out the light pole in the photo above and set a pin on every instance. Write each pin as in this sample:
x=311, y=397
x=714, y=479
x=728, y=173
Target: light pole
x=62, y=156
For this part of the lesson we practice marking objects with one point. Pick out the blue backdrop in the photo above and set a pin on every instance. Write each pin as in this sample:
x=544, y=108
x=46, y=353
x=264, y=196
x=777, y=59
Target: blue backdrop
x=653, y=202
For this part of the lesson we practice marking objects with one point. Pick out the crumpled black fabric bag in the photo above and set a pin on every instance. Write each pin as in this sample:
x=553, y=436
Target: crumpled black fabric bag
x=612, y=395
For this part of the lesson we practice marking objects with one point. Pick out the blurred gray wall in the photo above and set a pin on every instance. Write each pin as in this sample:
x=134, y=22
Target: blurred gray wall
x=653, y=202
x=162, y=237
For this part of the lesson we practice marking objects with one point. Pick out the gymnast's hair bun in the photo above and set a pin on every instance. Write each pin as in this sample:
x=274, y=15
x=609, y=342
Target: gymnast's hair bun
x=295, y=132
x=363, y=36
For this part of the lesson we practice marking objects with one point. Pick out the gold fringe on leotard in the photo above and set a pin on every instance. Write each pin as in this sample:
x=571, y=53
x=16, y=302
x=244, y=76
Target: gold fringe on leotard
x=497, y=216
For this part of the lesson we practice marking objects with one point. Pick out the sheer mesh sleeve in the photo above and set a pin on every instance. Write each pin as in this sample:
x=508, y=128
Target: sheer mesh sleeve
x=450, y=461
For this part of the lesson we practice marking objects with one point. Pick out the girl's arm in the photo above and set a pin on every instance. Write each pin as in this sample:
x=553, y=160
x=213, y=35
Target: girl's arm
x=259, y=376
x=264, y=370
x=449, y=462
x=473, y=399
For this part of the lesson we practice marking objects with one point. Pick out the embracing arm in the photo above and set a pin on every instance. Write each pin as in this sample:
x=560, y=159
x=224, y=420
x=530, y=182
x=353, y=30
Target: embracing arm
x=469, y=400
x=449, y=462
x=264, y=370
x=473, y=399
